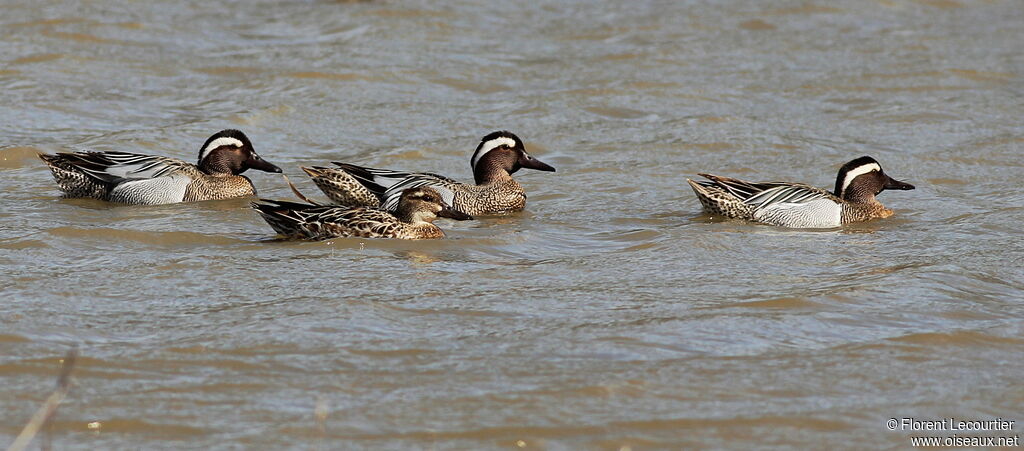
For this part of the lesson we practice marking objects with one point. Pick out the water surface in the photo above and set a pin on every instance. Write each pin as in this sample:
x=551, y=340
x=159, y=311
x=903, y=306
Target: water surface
x=611, y=314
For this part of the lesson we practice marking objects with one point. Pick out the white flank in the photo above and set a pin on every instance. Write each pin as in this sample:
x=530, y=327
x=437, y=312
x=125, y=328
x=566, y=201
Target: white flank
x=161, y=190
x=859, y=171
x=816, y=214
x=491, y=145
x=225, y=141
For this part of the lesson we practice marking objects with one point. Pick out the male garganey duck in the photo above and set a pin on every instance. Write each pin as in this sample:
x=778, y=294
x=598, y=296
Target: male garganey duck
x=499, y=155
x=412, y=220
x=799, y=205
x=149, y=179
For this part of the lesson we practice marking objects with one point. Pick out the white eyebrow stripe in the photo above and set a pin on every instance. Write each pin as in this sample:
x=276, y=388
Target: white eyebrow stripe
x=859, y=171
x=223, y=141
x=491, y=145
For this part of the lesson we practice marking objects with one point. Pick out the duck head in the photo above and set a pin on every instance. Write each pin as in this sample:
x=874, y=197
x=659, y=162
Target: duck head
x=230, y=152
x=502, y=153
x=862, y=179
x=424, y=204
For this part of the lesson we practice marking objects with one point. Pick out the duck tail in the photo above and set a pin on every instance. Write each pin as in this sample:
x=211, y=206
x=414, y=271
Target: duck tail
x=341, y=187
x=72, y=180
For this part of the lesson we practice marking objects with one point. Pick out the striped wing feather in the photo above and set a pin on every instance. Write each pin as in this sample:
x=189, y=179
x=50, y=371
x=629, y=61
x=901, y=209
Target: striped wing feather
x=388, y=185
x=788, y=194
x=741, y=189
x=116, y=167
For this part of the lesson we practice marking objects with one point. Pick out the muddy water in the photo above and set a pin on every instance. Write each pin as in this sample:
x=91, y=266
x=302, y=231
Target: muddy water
x=612, y=314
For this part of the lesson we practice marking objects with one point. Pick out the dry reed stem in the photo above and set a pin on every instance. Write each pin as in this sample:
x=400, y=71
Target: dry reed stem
x=49, y=407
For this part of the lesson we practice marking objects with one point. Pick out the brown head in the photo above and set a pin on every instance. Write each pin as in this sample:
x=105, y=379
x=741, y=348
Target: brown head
x=424, y=204
x=502, y=153
x=230, y=152
x=862, y=179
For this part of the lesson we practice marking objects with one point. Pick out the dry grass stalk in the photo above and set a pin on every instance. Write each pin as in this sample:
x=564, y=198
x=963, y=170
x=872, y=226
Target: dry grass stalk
x=49, y=407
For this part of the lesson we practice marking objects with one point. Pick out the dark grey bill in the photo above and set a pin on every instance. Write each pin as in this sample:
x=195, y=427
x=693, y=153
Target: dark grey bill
x=526, y=161
x=896, y=184
x=447, y=212
x=255, y=162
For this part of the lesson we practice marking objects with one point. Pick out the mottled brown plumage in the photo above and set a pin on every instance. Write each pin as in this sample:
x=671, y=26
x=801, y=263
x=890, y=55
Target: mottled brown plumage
x=341, y=188
x=413, y=219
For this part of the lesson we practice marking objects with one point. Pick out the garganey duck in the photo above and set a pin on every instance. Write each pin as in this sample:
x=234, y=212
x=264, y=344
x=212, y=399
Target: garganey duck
x=149, y=179
x=412, y=220
x=497, y=157
x=799, y=205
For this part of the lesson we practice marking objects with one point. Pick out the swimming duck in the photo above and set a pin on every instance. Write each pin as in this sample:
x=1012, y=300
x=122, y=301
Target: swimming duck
x=412, y=220
x=149, y=179
x=799, y=205
x=498, y=156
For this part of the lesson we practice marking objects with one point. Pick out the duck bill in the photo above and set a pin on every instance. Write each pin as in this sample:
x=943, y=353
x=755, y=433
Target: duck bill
x=448, y=212
x=896, y=184
x=255, y=162
x=526, y=161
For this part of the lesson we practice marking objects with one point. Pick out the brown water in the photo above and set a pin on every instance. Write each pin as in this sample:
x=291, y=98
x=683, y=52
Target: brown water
x=612, y=314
